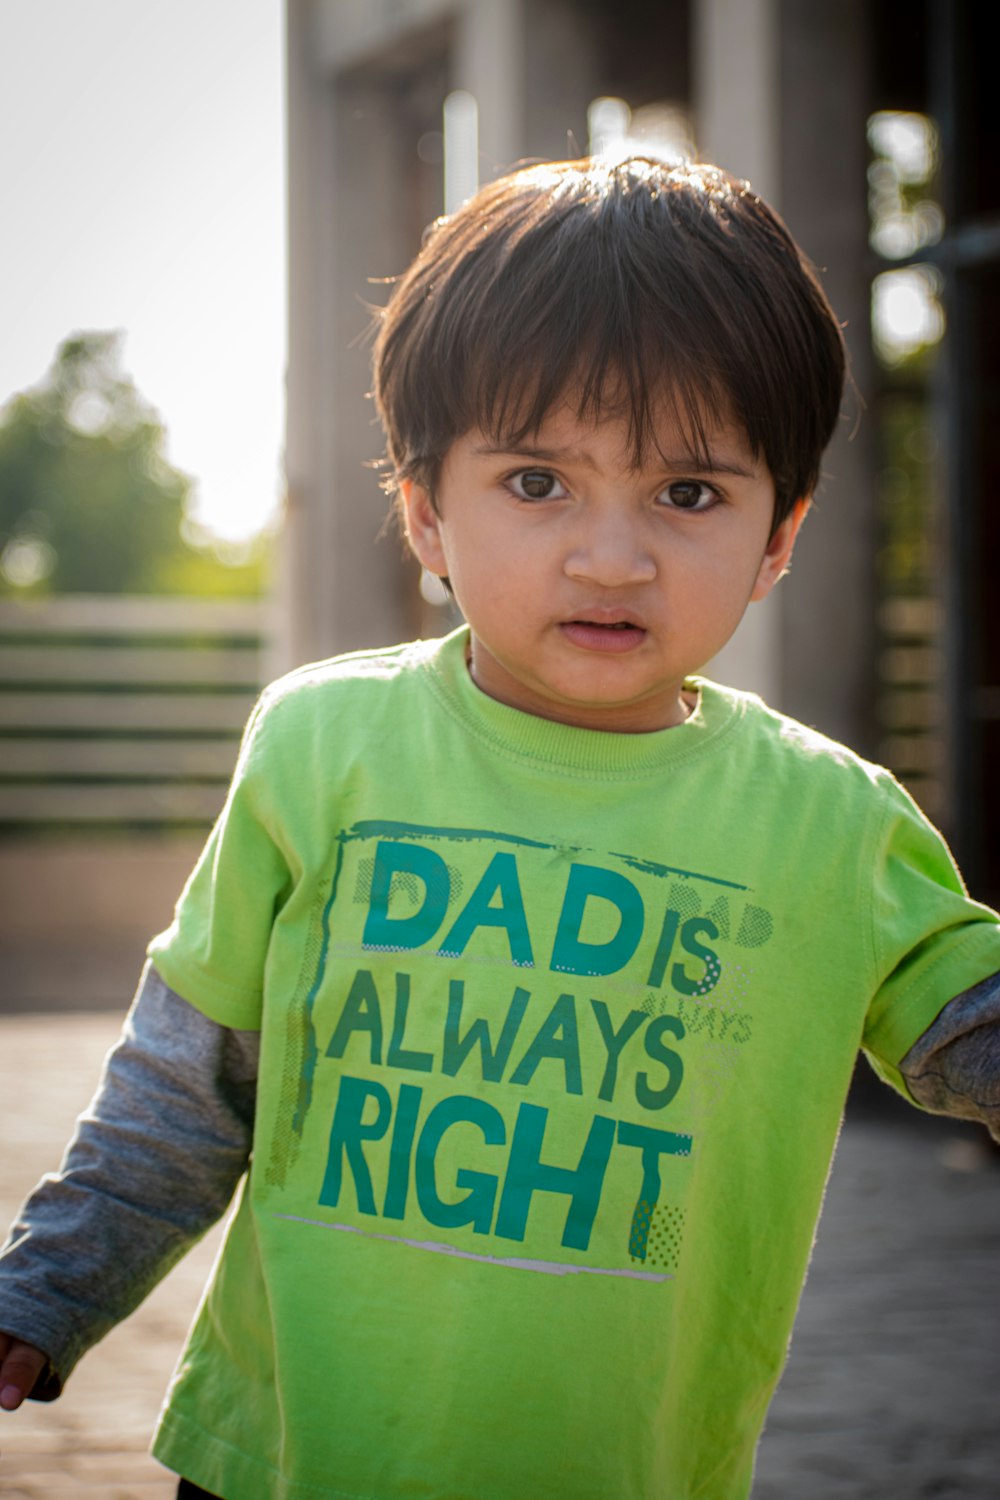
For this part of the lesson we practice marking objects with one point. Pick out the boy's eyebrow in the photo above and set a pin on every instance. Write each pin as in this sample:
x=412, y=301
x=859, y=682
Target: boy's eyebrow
x=527, y=450
x=708, y=463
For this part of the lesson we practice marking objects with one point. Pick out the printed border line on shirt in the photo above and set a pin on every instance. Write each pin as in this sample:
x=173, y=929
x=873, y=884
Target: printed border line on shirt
x=369, y=828
x=547, y=1267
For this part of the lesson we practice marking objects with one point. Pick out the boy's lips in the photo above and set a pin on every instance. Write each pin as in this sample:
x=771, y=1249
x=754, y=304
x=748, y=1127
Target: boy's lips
x=604, y=630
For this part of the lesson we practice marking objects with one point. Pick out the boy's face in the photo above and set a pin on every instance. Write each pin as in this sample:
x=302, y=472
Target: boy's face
x=592, y=588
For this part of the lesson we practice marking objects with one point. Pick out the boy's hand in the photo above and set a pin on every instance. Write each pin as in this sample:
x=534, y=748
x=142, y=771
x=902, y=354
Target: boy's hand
x=20, y=1368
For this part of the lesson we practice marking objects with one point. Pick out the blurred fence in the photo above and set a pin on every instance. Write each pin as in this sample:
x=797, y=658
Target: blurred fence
x=123, y=711
x=120, y=721
x=912, y=699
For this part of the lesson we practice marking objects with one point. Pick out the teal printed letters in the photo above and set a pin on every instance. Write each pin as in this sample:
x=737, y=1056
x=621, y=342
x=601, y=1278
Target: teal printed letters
x=365, y=1113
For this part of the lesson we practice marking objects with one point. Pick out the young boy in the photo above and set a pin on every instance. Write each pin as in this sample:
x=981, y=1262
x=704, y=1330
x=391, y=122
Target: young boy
x=557, y=957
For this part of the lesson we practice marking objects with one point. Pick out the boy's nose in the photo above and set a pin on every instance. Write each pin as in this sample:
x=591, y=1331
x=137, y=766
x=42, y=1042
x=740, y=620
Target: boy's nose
x=611, y=554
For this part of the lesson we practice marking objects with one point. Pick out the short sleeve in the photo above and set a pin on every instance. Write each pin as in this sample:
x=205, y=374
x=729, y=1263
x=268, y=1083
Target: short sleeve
x=214, y=952
x=929, y=940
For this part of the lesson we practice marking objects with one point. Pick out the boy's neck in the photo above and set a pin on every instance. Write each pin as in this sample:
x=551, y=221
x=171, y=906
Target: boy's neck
x=638, y=718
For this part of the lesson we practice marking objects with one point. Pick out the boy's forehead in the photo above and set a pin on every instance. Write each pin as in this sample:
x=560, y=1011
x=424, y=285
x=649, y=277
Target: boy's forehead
x=675, y=435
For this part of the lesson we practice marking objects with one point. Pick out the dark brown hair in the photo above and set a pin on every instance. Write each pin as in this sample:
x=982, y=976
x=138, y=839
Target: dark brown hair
x=620, y=285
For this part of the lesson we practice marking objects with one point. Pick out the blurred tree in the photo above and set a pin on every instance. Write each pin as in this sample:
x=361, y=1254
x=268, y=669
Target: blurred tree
x=88, y=501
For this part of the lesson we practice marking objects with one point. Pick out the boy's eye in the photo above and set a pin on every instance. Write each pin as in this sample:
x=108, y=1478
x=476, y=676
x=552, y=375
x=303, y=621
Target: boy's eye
x=536, y=484
x=688, y=494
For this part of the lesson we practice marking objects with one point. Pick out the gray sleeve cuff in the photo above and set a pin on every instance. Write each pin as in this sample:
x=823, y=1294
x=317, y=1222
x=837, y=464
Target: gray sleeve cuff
x=954, y=1068
x=153, y=1164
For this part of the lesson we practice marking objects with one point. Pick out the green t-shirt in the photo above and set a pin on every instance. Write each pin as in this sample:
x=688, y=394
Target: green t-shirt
x=557, y=1027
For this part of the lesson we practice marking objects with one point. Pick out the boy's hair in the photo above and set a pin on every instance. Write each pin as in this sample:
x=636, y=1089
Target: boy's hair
x=619, y=286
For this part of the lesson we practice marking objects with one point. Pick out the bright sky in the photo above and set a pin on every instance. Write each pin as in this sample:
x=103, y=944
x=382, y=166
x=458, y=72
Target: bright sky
x=143, y=189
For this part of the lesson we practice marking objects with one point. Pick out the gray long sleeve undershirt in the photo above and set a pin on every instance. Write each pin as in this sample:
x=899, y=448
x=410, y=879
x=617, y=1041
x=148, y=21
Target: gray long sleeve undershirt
x=954, y=1068
x=154, y=1162
x=158, y=1155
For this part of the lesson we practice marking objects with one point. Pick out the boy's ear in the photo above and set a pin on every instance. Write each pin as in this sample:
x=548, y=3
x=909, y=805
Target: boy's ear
x=779, y=549
x=423, y=526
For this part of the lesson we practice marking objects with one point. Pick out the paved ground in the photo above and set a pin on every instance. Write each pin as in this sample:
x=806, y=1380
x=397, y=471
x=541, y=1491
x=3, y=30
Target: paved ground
x=892, y=1391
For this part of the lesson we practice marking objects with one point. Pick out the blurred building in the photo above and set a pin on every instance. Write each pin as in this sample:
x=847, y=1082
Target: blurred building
x=867, y=124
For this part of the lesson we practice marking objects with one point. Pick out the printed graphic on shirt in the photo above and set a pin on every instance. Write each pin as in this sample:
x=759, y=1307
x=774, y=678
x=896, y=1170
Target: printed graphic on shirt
x=493, y=1050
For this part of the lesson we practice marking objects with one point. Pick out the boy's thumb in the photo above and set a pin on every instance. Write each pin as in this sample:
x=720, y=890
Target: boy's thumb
x=22, y=1365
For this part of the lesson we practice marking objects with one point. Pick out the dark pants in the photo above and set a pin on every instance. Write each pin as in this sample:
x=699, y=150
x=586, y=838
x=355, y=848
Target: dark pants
x=188, y=1491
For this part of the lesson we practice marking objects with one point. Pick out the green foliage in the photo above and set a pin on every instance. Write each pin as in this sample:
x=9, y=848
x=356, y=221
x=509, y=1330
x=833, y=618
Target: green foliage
x=908, y=554
x=88, y=501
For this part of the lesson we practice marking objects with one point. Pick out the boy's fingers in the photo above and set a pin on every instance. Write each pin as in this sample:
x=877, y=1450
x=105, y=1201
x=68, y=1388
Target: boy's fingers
x=22, y=1365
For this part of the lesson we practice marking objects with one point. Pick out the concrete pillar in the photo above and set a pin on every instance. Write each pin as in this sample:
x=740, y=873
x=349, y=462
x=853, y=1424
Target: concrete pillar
x=780, y=98
x=737, y=123
x=829, y=601
x=342, y=588
x=736, y=104
x=490, y=43
x=305, y=608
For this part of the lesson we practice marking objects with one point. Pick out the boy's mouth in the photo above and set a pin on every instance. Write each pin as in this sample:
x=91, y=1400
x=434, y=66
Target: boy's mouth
x=610, y=634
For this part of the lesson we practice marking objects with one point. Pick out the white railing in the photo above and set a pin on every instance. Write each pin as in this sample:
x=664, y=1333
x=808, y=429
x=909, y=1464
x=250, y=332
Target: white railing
x=123, y=710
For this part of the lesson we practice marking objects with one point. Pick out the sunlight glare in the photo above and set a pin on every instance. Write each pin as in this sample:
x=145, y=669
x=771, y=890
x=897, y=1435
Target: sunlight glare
x=906, y=312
